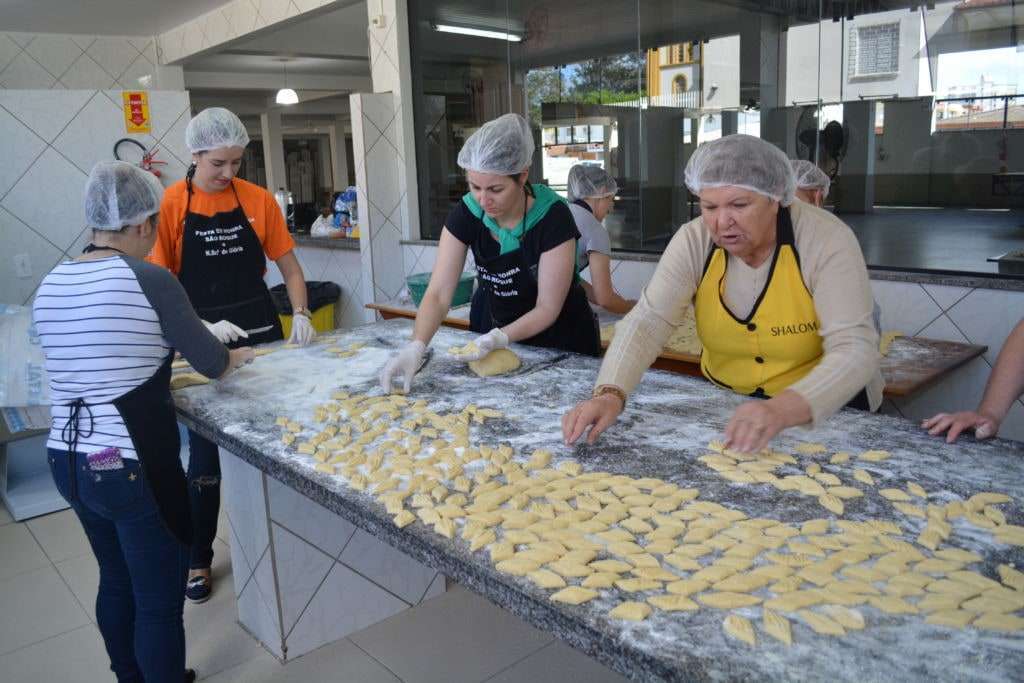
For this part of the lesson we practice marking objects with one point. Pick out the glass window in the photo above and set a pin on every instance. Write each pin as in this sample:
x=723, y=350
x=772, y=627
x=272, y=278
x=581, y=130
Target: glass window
x=902, y=106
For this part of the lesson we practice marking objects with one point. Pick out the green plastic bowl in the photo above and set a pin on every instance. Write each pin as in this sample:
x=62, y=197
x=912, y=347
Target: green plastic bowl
x=417, y=284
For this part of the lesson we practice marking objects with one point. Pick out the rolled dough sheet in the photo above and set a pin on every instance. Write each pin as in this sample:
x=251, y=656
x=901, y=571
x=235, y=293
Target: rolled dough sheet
x=683, y=340
x=496, y=362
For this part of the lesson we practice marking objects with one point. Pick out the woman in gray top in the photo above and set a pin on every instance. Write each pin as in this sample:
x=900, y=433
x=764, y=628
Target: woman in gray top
x=109, y=324
x=591, y=196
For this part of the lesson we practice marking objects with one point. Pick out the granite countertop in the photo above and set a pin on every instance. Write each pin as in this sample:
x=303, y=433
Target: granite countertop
x=304, y=240
x=666, y=427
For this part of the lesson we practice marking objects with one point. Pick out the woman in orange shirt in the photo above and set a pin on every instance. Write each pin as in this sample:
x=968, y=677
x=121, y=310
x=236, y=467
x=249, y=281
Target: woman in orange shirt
x=215, y=233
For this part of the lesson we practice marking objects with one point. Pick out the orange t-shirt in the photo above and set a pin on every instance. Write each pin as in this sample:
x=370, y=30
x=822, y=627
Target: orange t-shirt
x=259, y=205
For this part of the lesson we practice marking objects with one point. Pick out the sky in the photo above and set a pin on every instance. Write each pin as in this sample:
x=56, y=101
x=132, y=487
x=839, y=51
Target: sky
x=1003, y=65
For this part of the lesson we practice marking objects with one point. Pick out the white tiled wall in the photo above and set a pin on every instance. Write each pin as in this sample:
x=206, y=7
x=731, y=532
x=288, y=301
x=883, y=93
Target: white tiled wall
x=341, y=266
x=229, y=22
x=41, y=61
x=49, y=140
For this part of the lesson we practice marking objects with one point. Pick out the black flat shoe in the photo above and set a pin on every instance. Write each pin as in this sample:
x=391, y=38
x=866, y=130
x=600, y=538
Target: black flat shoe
x=190, y=676
x=198, y=589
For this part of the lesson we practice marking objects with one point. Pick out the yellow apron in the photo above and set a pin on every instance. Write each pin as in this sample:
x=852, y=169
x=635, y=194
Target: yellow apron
x=778, y=343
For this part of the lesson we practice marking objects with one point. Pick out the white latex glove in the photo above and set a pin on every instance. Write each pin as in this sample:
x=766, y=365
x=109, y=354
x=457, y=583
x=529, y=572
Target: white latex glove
x=225, y=331
x=485, y=343
x=302, y=331
x=405, y=362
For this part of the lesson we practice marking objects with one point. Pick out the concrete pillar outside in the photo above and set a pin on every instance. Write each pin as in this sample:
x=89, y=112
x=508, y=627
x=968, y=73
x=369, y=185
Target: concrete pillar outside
x=273, y=150
x=326, y=167
x=730, y=122
x=856, y=186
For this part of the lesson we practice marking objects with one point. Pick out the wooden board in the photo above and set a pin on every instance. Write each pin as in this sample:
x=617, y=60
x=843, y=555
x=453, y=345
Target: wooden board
x=911, y=364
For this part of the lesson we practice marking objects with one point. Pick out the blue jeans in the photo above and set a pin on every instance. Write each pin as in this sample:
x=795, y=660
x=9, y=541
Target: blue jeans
x=142, y=569
x=204, y=497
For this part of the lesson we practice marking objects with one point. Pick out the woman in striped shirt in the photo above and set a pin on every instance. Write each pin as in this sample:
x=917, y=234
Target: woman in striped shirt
x=109, y=324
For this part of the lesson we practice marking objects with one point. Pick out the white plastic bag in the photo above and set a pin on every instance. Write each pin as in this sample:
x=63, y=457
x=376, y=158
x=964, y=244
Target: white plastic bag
x=23, y=380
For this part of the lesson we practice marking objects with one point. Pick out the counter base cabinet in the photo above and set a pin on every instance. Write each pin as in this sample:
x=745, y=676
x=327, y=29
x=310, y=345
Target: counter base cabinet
x=305, y=577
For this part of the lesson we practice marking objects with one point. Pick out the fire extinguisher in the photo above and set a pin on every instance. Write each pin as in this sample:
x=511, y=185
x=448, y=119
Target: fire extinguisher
x=149, y=159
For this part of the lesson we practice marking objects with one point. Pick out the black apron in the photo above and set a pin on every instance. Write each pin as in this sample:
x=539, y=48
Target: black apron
x=222, y=265
x=149, y=416
x=508, y=290
x=148, y=412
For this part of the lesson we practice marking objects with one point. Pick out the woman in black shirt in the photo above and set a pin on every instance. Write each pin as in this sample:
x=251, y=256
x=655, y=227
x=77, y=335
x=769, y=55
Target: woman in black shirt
x=524, y=244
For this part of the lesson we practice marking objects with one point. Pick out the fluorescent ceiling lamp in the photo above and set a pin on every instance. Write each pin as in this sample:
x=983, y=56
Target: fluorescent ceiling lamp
x=287, y=96
x=478, y=32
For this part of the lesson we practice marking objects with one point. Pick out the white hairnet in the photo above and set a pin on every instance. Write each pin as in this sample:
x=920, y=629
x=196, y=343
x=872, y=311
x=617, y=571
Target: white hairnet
x=810, y=177
x=119, y=194
x=502, y=146
x=742, y=161
x=590, y=182
x=215, y=128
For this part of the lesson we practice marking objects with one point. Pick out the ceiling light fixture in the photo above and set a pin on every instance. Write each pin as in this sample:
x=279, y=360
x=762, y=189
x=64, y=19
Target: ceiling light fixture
x=478, y=32
x=286, y=95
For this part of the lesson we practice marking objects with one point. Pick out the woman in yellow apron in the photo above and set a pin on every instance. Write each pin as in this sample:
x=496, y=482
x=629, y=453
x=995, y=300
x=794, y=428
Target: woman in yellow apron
x=780, y=294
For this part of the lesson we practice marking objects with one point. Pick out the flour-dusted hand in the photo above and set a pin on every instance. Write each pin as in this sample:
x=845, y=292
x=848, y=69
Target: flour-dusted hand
x=404, y=363
x=953, y=424
x=225, y=331
x=484, y=344
x=302, y=331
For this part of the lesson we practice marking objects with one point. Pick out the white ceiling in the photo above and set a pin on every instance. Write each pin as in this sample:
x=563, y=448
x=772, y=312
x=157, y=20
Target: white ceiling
x=329, y=43
x=101, y=17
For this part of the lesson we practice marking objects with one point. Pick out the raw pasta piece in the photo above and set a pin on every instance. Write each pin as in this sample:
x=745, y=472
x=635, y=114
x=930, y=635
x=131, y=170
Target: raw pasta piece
x=999, y=622
x=864, y=477
x=636, y=585
x=404, y=519
x=916, y=489
x=821, y=624
x=814, y=527
x=810, y=448
x=740, y=628
x=574, y=595
x=728, y=600
x=894, y=494
x=959, y=555
x=517, y=567
x=742, y=583
x=777, y=626
x=631, y=611
x=909, y=509
x=791, y=602
x=1011, y=577
x=600, y=580
x=892, y=605
x=832, y=503
x=546, y=579
x=673, y=603
x=874, y=456
x=617, y=566
x=187, y=379
x=839, y=458
x=846, y=617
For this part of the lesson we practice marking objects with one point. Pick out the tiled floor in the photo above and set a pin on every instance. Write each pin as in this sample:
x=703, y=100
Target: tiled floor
x=48, y=633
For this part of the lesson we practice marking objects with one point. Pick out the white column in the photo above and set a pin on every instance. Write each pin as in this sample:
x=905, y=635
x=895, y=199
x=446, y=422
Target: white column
x=390, y=67
x=273, y=150
x=339, y=157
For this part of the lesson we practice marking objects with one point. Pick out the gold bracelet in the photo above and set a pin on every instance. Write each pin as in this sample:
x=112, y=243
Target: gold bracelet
x=610, y=389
